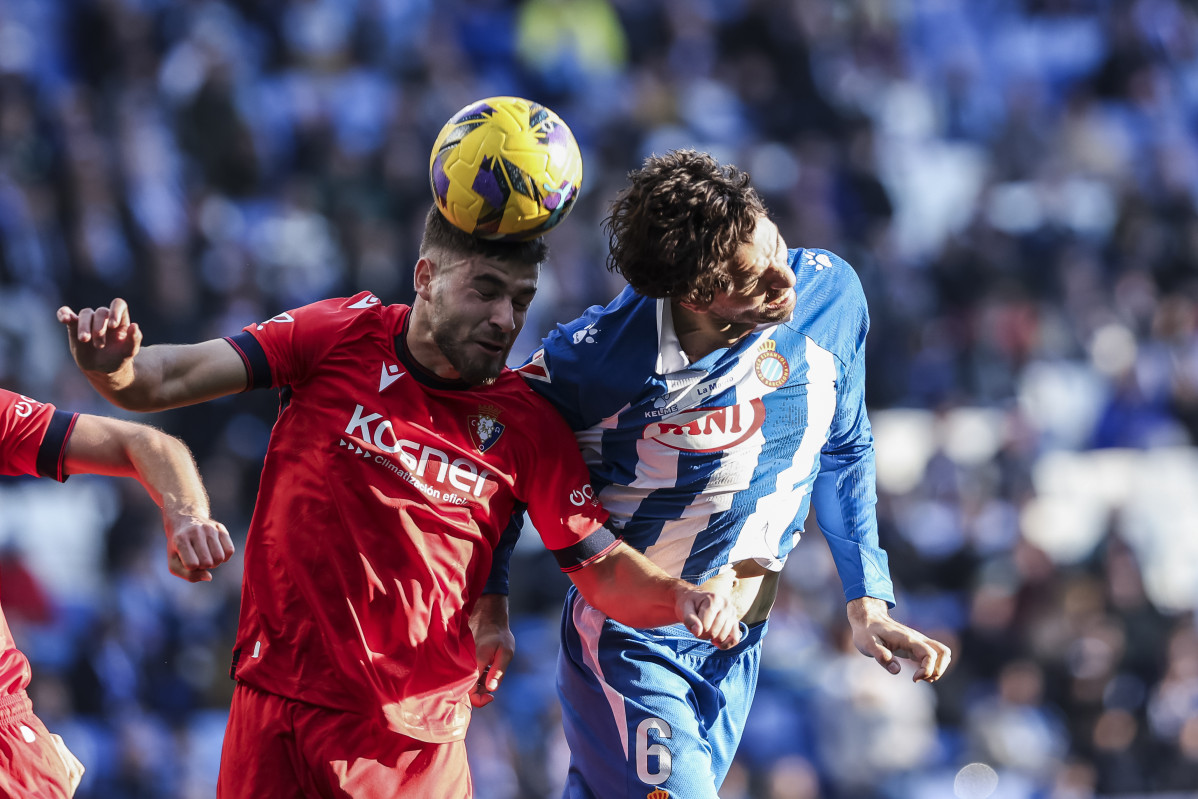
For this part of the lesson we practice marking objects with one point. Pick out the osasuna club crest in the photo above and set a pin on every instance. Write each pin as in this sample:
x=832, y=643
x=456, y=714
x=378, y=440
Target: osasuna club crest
x=485, y=428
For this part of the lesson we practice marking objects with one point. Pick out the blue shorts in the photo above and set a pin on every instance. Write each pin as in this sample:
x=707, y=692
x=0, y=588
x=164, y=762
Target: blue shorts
x=646, y=709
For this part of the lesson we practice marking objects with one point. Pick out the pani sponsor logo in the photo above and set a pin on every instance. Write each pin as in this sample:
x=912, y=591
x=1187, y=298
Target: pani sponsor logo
x=709, y=429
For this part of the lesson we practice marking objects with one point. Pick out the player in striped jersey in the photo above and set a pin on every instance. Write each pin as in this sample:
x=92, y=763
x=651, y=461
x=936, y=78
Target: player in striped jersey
x=38, y=440
x=715, y=400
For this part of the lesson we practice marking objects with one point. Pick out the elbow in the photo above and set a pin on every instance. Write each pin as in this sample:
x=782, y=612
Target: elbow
x=132, y=404
x=138, y=401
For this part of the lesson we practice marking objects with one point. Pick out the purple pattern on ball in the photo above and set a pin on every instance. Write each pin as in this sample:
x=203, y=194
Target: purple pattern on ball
x=440, y=180
x=562, y=196
x=558, y=135
x=477, y=110
x=486, y=185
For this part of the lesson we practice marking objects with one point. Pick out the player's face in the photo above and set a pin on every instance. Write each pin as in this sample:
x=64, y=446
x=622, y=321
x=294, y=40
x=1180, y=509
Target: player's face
x=478, y=308
x=762, y=289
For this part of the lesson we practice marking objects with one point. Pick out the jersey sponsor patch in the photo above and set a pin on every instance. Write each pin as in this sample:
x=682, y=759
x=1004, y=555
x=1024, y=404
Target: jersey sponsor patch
x=713, y=429
x=431, y=469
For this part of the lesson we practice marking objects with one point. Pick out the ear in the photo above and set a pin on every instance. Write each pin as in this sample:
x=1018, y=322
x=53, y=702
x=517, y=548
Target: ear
x=693, y=307
x=426, y=269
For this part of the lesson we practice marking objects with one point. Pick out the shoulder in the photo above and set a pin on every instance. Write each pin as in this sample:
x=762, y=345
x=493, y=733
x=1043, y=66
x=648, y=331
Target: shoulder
x=362, y=311
x=830, y=305
x=535, y=415
x=590, y=367
x=605, y=341
x=824, y=275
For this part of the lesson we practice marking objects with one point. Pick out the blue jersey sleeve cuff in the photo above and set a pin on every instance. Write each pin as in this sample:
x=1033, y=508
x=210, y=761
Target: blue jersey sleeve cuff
x=884, y=593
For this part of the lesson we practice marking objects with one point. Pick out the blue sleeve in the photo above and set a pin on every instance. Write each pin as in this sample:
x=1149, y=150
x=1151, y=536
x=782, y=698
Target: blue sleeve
x=589, y=368
x=497, y=580
x=554, y=372
x=845, y=493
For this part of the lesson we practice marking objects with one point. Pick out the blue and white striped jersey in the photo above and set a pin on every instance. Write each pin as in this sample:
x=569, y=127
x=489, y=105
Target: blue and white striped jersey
x=706, y=464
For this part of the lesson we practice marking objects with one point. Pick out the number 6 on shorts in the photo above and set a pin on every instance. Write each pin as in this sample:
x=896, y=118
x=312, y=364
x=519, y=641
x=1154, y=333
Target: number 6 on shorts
x=644, y=750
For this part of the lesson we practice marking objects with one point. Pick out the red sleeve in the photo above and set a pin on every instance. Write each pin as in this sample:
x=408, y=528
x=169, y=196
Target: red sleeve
x=282, y=350
x=562, y=504
x=33, y=437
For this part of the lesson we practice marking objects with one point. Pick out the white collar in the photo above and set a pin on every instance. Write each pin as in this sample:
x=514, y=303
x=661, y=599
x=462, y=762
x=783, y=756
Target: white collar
x=670, y=355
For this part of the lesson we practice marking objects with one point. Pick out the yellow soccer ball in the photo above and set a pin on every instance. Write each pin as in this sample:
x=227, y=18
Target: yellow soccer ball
x=505, y=168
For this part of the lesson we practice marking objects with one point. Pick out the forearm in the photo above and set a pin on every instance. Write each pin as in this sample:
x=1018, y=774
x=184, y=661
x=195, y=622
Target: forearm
x=160, y=462
x=491, y=611
x=844, y=501
x=165, y=467
x=134, y=385
x=629, y=588
x=863, y=610
x=169, y=376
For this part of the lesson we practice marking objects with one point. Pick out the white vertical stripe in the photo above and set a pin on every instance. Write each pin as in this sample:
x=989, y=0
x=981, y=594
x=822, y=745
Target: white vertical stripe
x=775, y=510
x=589, y=623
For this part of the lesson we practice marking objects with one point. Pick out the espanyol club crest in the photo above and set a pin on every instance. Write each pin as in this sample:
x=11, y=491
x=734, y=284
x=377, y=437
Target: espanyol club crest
x=771, y=367
x=485, y=429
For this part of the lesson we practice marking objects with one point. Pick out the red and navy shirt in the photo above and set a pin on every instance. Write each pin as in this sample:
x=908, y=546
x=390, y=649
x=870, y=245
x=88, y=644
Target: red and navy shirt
x=33, y=441
x=383, y=495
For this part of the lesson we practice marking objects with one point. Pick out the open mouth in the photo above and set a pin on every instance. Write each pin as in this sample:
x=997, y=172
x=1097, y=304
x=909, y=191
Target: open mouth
x=780, y=301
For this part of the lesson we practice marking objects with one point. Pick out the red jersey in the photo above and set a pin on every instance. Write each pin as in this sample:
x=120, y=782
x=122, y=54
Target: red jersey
x=33, y=441
x=383, y=494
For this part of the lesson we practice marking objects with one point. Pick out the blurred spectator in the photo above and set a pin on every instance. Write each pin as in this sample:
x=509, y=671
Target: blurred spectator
x=1015, y=184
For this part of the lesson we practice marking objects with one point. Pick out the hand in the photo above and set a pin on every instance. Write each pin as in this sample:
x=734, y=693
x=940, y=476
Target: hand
x=709, y=616
x=195, y=545
x=880, y=637
x=494, y=646
x=74, y=767
x=101, y=339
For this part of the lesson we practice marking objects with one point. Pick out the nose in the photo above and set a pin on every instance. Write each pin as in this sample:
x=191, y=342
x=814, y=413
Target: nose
x=503, y=315
x=781, y=276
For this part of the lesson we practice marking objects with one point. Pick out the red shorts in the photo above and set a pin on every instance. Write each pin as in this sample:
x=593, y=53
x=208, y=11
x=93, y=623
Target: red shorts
x=278, y=747
x=30, y=765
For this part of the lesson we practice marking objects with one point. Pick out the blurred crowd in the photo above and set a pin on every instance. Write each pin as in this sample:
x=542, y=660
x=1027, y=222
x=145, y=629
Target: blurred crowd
x=1013, y=180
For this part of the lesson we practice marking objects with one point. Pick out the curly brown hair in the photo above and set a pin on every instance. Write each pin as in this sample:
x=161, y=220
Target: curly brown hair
x=673, y=230
x=440, y=234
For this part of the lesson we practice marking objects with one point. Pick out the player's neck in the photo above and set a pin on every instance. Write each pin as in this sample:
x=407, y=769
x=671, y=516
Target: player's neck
x=424, y=350
x=701, y=334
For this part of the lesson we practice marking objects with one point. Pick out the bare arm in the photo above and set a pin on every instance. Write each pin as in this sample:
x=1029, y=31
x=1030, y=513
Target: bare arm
x=880, y=637
x=630, y=588
x=164, y=466
x=107, y=348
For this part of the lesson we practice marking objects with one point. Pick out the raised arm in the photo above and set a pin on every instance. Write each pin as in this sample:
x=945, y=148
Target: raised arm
x=630, y=588
x=164, y=466
x=107, y=348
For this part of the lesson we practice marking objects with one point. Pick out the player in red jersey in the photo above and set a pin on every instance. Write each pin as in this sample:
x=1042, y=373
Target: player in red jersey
x=402, y=448
x=38, y=440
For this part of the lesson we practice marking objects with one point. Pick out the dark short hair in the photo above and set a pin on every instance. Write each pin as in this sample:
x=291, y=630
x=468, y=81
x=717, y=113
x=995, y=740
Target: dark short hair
x=681, y=219
x=441, y=234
